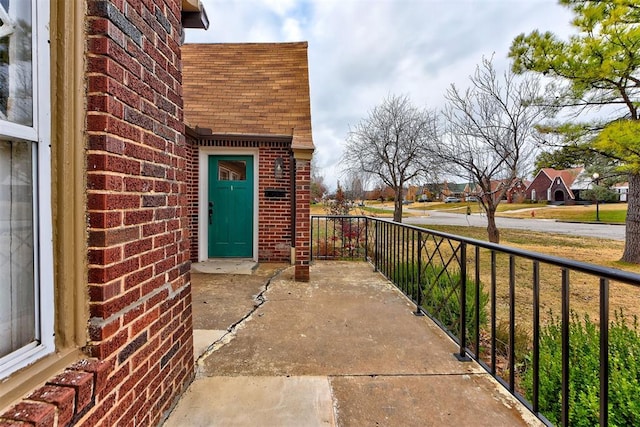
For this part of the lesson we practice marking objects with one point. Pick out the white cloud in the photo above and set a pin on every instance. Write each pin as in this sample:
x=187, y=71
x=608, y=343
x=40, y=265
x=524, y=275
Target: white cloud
x=291, y=30
x=360, y=51
x=281, y=7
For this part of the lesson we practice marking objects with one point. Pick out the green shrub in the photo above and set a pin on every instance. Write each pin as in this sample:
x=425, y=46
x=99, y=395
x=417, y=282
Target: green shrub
x=441, y=295
x=522, y=345
x=584, y=366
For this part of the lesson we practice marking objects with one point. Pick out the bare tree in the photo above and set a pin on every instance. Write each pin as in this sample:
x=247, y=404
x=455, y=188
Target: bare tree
x=318, y=187
x=392, y=145
x=489, y=134
x=356, y=185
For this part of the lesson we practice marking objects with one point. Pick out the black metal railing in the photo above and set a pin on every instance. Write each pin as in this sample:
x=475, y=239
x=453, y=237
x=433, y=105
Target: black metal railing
x=493, y=300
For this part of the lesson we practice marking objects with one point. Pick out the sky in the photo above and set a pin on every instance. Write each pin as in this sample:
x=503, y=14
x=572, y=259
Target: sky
x=362, y=51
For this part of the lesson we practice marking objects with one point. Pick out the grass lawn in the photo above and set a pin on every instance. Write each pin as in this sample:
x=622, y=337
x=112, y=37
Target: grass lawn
x=598, y=251
x=610, y=212
x=374, y=211
x=583, y=288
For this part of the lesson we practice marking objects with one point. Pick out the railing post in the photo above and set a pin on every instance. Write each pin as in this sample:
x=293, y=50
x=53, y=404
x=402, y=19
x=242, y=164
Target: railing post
x=419, y=311
x=536, y=337
x=326, y=237
x=375, y=246
x=462, y=355
x=311, y=238
x=366, y=238
x=476, y=312
x=512, y=323
x=493, y=312
x=564, y=417
x=341, y=236
x=604, y=352
x=384, y=248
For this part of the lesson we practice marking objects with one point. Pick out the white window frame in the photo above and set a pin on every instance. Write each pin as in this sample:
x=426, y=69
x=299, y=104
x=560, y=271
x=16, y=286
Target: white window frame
x=40, y=135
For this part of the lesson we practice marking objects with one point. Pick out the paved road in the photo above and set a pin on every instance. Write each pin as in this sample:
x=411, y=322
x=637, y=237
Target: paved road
x=603, y=231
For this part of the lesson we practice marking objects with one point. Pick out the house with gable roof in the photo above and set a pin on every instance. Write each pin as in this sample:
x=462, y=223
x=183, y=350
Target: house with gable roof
x=553, y=186
x=250, y=148
x=514, y=193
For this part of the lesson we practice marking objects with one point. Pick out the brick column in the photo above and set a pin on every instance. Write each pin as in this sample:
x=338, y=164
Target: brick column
x=138, y=277
x=303, y=221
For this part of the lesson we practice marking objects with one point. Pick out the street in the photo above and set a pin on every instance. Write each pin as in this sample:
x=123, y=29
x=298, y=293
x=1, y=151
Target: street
x=603, y=231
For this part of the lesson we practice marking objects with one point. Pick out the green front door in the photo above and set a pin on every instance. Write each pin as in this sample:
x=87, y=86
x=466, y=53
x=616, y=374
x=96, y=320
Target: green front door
x=230, y=206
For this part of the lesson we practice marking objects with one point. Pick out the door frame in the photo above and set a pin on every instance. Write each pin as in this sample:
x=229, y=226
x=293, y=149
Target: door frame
x=203, y=191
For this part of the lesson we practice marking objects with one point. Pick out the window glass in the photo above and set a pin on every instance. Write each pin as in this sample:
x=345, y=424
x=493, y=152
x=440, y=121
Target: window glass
x=232, y=170
x=17, y=292
x=26, y=301
x=16, y=67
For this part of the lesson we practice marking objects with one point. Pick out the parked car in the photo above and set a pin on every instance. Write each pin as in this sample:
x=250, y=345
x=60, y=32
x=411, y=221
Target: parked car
x=472, y=199
x=406, y=202
x=451, y=199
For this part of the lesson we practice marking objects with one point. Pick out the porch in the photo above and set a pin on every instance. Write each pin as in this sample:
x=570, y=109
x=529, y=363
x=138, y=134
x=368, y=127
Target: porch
x=344, y=349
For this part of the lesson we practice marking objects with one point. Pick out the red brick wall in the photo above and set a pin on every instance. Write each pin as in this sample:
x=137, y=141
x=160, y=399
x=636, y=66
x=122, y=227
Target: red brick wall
x=140, y=353
x=274, y=213
x=139, y=284
x=192, y=193
x=541, y=183
x=303, y=222
x=140, y=328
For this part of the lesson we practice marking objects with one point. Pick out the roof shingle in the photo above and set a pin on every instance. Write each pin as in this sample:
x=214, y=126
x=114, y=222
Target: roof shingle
x=248, y=88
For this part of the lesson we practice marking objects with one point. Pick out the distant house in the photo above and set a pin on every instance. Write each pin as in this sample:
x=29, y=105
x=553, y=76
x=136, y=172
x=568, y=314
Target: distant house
x=453, y=189
x=429, y=191
x=622, y=189
x=515, y=192
x=554, y=186
x=388, y=193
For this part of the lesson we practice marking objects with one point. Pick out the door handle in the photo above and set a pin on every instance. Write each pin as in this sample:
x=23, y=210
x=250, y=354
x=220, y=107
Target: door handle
x=210, y=212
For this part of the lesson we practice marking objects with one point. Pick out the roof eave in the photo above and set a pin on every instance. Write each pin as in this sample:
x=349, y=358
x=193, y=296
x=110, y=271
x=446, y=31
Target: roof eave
x=194, y=15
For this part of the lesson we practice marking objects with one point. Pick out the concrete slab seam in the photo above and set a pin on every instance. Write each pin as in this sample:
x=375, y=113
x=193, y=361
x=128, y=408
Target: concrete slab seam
x=232, y=330
x=334, y=401
x=464, y=375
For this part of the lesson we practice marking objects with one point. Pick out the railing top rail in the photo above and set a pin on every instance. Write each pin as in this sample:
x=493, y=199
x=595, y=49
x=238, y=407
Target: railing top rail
x=593, y=269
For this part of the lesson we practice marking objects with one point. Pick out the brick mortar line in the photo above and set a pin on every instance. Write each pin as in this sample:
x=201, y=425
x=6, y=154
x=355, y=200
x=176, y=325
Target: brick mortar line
x=100, y=321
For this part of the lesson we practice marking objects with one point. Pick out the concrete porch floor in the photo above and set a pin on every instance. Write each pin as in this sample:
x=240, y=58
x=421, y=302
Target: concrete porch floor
x=343, y=349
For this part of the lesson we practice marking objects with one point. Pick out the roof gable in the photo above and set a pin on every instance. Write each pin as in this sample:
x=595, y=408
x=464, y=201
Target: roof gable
x=248, y=88
x=567, y=175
